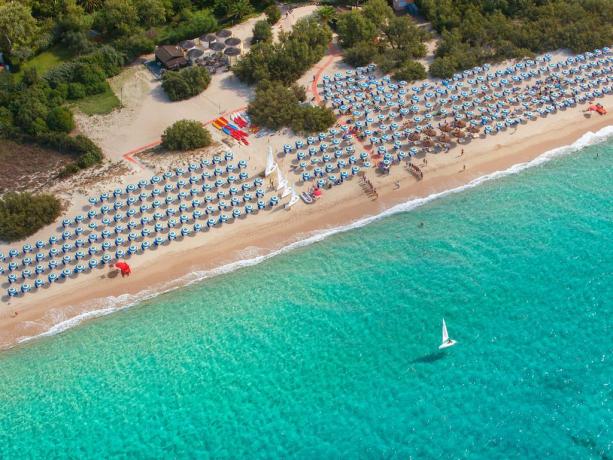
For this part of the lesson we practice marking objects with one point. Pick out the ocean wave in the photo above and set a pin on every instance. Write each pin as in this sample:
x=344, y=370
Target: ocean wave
x=110, y=305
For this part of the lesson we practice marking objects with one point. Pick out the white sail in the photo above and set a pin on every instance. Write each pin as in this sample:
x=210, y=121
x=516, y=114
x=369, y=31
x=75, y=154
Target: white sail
x=293, y=200
x=271, y=164
x=281, y=180
x=445, y=334
x=446, y=342
x=286, y=191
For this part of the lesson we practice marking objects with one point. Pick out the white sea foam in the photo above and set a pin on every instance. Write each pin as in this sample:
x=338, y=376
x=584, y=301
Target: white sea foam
x=111, y=304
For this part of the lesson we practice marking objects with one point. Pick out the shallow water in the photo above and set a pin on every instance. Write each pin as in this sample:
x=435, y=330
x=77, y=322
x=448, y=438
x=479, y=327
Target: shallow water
x=330, y=351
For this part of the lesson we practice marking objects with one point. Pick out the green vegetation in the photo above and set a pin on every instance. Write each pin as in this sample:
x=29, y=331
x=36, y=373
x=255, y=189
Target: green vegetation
x=99, y=104
x=23, y=214
x=288, y=59
x=478, y=31
x=276, y=106
x=185, y=83
x=375, y=34
x=273, y=14
x=186, y=135
x=47, y=59
x=262, y=32
x=410, y=71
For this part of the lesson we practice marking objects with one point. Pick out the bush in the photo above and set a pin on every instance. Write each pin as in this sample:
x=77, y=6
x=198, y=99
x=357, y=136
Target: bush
x=275, y=106
x=410, y=71
x=312, y=119
x=287, y=60
x=60, y=119
x=262, y=32
x=443, y=67
x=86, y=152
x=185, y=83
x=136, y=45
x=194, y=25
x=273, y=14
x=186, y=135
x=23, y=214
x=361, y=54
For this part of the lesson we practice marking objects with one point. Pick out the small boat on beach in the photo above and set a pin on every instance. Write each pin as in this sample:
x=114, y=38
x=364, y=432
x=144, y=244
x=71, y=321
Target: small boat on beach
x=446, y=342
x=306, y=197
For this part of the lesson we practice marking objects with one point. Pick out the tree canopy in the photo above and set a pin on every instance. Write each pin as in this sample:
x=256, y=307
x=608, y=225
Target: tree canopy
x=23, y=214
x=478, y=31
x=287, y=59
x=375, y=34
x=185, y=83
x=276, y=106
x=186, y=135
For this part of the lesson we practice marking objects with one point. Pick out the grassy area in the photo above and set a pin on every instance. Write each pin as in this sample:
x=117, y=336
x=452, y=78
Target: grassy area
x=99, y=104
x=47, y=59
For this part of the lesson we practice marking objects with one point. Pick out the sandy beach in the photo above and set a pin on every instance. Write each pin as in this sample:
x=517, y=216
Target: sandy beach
x=99, y=292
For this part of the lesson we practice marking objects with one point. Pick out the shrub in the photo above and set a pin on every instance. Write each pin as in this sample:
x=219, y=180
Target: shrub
x=275, y=106
x=312, y=119
x=262, y=32
x=443, y=67
x=136, y=45
x=361, y=54
x=60, y=119
x=23, y=214
x=410, y=71
x=76, y=91
x=186, y=135
x=287, y=60
x=85, y=151
x=273, y=14
x=185, y=83
x=194, y=25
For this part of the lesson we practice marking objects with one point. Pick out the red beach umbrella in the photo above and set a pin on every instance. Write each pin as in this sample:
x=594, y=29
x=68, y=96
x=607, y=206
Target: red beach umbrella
x=124, y=267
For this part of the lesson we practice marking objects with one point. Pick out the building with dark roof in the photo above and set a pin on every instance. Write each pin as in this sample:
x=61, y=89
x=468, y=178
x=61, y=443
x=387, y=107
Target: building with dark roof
x=171, y=57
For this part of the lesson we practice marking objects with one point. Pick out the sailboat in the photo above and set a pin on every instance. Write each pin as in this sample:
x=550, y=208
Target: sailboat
x=271, y=164
x=447, y=342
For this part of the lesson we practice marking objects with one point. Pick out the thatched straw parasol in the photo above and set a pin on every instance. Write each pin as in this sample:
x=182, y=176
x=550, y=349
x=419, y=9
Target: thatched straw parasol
x=430, y=132
x=445, y=138
x=427, y=143
x=460, y=124
x=458, y=133
x=473, y=129
x=414, y=137
x=445, y=128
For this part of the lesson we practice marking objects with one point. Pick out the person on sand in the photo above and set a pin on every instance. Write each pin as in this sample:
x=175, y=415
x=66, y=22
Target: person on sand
x=462, y=152
x=396, y=185
x=464, y=168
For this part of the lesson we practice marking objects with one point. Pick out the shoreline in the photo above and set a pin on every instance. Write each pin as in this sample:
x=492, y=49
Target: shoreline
x=65, y=305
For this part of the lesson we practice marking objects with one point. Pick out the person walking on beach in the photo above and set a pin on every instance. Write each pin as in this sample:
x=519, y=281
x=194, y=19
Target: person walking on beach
x=462, y=152
x=464, y=168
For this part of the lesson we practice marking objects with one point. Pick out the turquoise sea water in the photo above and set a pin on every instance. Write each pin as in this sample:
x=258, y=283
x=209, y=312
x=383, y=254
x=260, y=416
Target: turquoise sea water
x=330, y=351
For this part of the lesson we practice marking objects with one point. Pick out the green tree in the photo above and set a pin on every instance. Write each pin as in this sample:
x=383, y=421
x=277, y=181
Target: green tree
x=262, y=32
x=443, y=67
x=238, y=9
x=401, y=33
x=273, y=14
x=327, y=14
x=117, y=18
x=410, y=71
x=274, y=105
x=186, y=135
x=361, y=54
x=185, y=83
x=378, y=12
x=23, y=214
x=18, y=30
x=312, y=119
x=353, y=27
x=150, y=12
x=60, y=119
x=91, y=5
